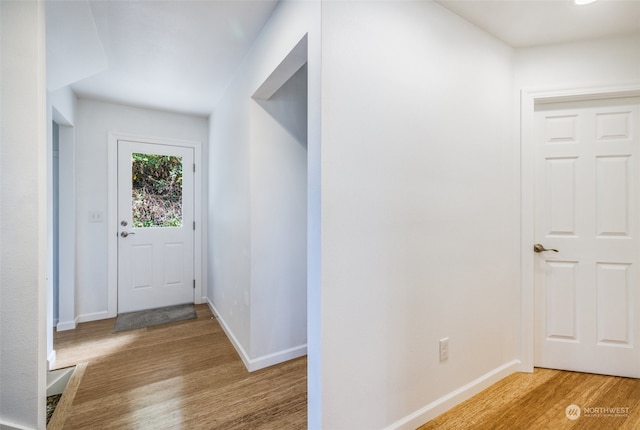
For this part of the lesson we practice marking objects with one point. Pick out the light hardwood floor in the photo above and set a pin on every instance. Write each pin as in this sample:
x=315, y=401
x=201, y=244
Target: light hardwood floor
x=538, y=401
x=184, y=375
x=188, y=376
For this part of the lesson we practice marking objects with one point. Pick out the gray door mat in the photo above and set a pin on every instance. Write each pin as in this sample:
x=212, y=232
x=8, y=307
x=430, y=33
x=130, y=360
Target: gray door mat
x=153, y=317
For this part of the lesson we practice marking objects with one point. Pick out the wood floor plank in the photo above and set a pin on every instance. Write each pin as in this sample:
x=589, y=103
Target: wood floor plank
x=538, y=401
x=66, y=400
x=185, y=375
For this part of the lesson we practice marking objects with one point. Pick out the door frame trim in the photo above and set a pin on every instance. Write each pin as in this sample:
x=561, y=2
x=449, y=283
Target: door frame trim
x=112, y=215
x=529, y=98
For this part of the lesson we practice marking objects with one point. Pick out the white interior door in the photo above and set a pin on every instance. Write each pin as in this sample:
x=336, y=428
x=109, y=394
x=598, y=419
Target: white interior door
x=156, y=230
x=587, y=183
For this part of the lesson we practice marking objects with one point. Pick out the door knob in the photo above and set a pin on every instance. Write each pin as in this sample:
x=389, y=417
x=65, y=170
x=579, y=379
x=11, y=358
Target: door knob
x=538, y=247
x=125, y=234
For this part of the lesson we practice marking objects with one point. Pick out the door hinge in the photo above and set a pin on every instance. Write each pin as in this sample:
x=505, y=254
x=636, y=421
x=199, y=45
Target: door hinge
x=194, y=225
x=194, y=167
x=194, y=284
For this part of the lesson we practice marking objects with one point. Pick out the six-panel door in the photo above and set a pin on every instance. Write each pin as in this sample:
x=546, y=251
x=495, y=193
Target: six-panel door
x=587, y=185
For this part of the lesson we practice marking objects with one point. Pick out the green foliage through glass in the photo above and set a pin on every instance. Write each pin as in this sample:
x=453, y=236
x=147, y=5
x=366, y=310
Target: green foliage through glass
x=156, y=190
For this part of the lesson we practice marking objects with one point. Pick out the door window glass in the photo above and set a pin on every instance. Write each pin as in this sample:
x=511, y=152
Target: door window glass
x=156, y=190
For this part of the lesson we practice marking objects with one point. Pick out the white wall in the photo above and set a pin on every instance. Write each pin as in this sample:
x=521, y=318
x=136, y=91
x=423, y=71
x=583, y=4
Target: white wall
x=418, y=227
x=255, y=289
x=95, y=120
x=279, y=220
x=61, y=108
x=64, y=101
x=597, y=62
x=22, y=215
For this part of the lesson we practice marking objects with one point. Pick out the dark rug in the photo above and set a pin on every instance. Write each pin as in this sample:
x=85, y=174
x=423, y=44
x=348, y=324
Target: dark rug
x=52, y=402
x=153, y=317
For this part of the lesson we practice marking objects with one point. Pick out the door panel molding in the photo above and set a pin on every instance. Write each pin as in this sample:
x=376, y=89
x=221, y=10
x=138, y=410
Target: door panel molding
x=530, y=98
x=112, y=213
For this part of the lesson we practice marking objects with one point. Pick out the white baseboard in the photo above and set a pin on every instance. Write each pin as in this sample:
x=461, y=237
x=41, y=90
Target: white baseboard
x=67, y=325
x=277, y=357
x=5, y=425
x=239, y=349
x=463, y=393
x=93, y=316
x=253, y=364
x=51, y=359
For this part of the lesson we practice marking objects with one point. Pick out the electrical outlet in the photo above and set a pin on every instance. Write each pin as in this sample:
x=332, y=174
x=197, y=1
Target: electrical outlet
x=444, y=349
x=96, y=216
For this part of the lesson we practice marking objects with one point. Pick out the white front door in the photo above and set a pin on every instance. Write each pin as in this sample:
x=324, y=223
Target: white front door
x=155, y=225
x=587, y=295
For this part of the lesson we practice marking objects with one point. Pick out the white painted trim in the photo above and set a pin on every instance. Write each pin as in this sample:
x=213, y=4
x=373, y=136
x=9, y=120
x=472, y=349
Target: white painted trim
x=448, y=401
x=112, y=222
x=253, y=364
x=277, y=357
x=529, y=98
x=239, y=349
x=94, y=316
x=284, y=71
x=51, y=359
x=112, y=213
x=5, y=425
x=67, y=325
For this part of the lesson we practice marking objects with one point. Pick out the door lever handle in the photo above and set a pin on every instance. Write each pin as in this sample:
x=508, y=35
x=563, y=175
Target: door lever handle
x=125, y=234
x=538, y=247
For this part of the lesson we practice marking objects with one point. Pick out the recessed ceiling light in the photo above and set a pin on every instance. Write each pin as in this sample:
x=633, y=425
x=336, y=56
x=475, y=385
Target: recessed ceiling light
x=583, y=2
